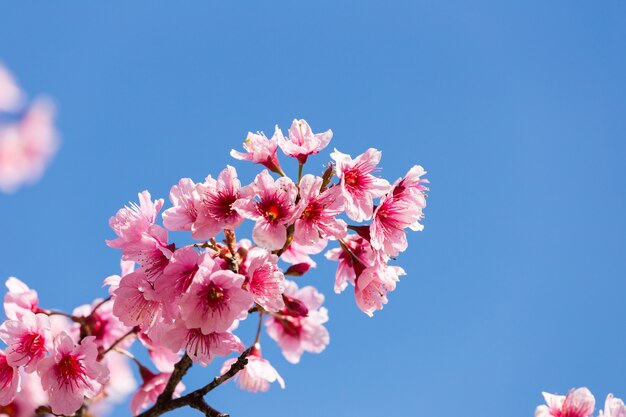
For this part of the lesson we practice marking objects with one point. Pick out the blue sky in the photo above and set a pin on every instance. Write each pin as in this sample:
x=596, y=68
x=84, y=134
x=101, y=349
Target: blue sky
x=516, y=109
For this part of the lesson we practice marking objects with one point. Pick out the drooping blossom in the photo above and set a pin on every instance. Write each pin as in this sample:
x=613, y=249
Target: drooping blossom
x=163, y=358
x=613, y=407
x=319, y=212
x=153, y=385
x=353, y=259
x=264, y=279
x=28, y=340
x=214, y=300
x=103, y=324
x=261, y=150
x=296, y=334
x=302, y=142
x=216, y=210
x=357, y=183
x=274, y=210
x=135, y=301
x=10, y=94
x=9, y=380
x=28, y=399
x=300, y=254
x=401, y=208
x=19, y=299
x=258, y=373
x=185, y=200
x=203, y=348
x=579, y=402
x=72, y=373
x=27, y=145
x=373, y=284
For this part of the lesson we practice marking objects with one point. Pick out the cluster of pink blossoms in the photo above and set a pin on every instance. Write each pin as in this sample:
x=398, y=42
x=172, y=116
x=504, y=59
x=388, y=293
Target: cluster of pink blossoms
x=579, y=402
x=184, y=303
x=27, y=137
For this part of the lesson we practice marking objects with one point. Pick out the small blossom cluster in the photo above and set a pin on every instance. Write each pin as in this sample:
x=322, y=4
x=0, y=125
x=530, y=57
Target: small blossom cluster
x=579, y=402
x=27, y=137
x=184, y=303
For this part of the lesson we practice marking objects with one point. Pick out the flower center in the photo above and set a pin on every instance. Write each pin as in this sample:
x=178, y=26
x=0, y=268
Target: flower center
x=69, y=369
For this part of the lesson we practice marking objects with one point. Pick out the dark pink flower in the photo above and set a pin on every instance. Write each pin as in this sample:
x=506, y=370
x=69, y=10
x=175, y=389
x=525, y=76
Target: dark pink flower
x=353, y=258
x=296, y=334
x=302, y=142
x=358, y=185
x=28, y=340
x=319, y=211
x=153, y=385
x=274, y=210
x=72, y=373
x=203, y=348
x=103, y=324
x=9, y=380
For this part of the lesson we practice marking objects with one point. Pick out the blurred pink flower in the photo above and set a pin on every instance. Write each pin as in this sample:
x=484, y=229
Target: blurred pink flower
x=19, y=299
x=9, y=380
x=613, y=407
x=577, y=403
x=258, y=373
x=153, y=385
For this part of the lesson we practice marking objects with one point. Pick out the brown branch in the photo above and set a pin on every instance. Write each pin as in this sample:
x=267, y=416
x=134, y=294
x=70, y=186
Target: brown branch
x=118, y=341
x=194, y=399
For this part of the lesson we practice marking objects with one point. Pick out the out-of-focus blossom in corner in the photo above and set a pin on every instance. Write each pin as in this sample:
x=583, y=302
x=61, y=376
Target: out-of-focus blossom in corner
x=579, y=402
x=613, y=407
x=28, y=140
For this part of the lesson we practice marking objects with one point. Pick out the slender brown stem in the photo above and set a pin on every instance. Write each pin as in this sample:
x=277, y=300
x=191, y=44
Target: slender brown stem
x=118, y=341
x=100, y=304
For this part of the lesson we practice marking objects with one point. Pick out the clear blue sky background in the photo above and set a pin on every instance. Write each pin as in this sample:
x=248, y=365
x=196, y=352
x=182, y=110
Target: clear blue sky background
x=516, y=109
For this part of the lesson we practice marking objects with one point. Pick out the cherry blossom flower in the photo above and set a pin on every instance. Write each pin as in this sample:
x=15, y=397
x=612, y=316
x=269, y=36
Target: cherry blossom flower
x=9, y=380
x=203, y=348
x=613, y=407
x=258, y=373
x=185, y=200
x=28, y=399
x=103, y=324
x=577, y=403
x=135, y=301
x=28, y=340
x=216, y=204
x=153, y=385
x=319, y=212
x=261, y=150
x=179, y=273
x=273, y=212
x=302, y=141
x=163, y=358
x=214, y=300
x=373, y=284
x=358, y=185
x=353, y=259
x=26, y=146
x=264, y=279
x=72, y=373
x=296, y=335
x=19, y=300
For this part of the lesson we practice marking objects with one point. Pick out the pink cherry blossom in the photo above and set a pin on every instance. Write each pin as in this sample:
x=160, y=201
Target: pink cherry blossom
x=319, y=212
x=613, y=407
x=373, y=284
x=273, y=211
x=216, y=210
x=9, y=380
x=28, y=340
x=135, y=301
x=299, y=254
x=179, y=273
x=19, y=299
x=203, y=348
x=113, y=281
x=302, y=142
x=354, y=256
x=72, y=373
x=261, y=150
x=10, y=94
x=358, y=185
x=27, y=146
x=153, y=385
x=264, y=279
x=30, y=397
x=577, y=403
x=258, y=373
x=163, y=358
x=185, y=200
x=296, y=335
x=103, y=324
x=214, y=300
